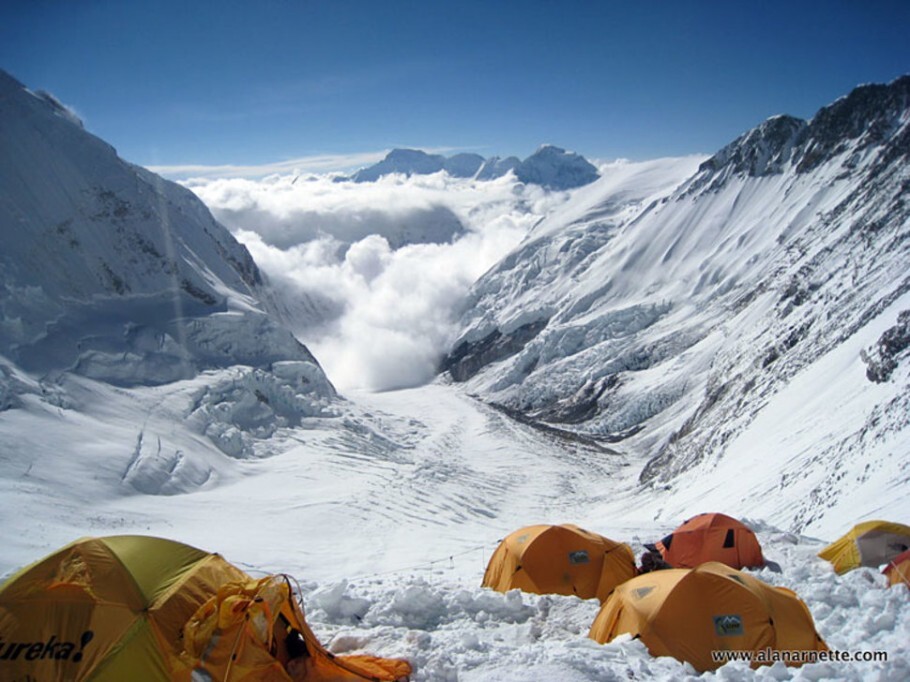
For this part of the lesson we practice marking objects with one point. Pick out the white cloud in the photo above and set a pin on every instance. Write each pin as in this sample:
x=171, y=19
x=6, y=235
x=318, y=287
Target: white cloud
x=314, y=163
x=374, y=274
x=318, y=163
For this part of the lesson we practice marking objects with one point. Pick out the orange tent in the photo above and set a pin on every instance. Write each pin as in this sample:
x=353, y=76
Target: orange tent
x=254, y=631
x=559, y=560
x=711, y=537
x=700, y=614
x=898, y=571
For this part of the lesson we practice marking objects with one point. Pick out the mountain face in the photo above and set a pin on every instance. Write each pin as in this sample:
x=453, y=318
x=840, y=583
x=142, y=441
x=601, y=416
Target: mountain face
x=495, y=167
x=555, y=168
x=742, y=320
x=111, y=272
x=549, y=166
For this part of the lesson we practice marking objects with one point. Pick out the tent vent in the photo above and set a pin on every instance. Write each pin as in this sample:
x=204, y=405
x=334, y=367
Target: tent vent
x=730, y=540
x=579, y=557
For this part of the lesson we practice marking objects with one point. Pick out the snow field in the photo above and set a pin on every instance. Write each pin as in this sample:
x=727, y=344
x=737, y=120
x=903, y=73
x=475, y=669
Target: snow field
x=387, y=514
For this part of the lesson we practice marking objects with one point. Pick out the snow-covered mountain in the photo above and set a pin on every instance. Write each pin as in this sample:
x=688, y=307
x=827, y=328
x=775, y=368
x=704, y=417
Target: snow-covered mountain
x=550, y=167
x=109, y=272
x=557, y=169
x=742, y=321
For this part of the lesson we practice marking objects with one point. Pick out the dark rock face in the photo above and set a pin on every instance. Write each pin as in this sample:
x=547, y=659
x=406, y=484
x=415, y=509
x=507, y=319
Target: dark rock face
x=463, y=165
x=882, y=359
x=870, y=114
x=761, y=151
x=470, y=357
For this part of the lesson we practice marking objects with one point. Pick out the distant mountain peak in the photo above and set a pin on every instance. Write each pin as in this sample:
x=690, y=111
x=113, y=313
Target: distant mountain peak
x=866, y=117
x=555, y=168
x=764, y=150
x=550, y=166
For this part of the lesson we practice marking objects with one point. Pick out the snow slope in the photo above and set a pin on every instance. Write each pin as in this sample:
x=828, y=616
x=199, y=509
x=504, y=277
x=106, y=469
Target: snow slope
x=387, y=513
x=716, y=329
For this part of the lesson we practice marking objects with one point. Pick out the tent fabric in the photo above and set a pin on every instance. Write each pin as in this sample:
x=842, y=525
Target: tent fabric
x=563, y=559
x=898, y=570
x=689, y=613
x=241, y=635
x=871, y=543
x=128, y=608
x=711, y=537
x=106, y=609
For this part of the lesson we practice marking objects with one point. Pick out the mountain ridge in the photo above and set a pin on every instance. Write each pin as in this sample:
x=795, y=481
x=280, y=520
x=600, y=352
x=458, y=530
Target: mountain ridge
x=550, y=167
x=671, y=322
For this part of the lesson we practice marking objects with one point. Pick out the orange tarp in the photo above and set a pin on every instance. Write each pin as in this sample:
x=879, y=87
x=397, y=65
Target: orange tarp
x=241, y=635
x=898, y=570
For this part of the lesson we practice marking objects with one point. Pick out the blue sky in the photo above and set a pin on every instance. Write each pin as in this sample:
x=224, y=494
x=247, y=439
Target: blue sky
x=248, y=83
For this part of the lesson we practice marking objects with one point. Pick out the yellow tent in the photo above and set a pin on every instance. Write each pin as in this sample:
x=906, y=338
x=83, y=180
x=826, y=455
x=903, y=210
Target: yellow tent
x=106, y=609
x=110, y=610
x=692, y=614
x=559, y=560
x=872, y=543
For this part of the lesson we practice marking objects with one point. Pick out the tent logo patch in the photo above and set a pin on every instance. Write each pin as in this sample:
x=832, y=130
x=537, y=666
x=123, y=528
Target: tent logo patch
x=729, y=625
x=53, y=649
x=642, y=592
x=579, y=557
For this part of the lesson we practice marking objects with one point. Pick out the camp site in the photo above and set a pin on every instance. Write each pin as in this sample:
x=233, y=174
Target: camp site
x=139, y=607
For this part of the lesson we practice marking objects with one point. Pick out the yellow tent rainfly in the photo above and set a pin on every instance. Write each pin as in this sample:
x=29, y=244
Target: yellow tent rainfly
x=129, y=607
x=872, y=543
x=106, y=609
x=559, y=560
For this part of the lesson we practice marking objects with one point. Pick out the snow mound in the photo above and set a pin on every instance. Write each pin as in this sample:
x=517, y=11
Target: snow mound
x=248, y=405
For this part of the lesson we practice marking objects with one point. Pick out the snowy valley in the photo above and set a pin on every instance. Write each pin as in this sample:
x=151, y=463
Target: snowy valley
x=657, y=339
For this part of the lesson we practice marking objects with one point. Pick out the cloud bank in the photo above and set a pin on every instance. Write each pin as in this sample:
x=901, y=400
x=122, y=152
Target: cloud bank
x=372, y=276
x=317, y=163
